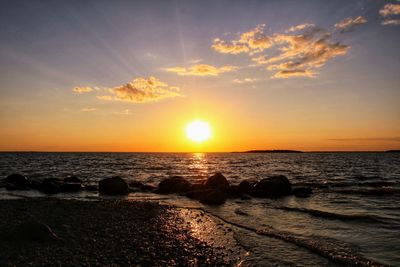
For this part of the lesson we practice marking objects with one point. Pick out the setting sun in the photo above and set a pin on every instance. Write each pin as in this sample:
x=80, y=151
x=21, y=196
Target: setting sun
x=198, y=131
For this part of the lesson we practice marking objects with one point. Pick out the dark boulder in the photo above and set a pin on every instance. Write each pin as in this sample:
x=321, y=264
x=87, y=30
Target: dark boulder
x=135, y=184
x=213, y=197
x=174, y=184
x=246, y=186
x=113, y=186
x=302, y=191
x=274, y=186
x=233, y=191
x=148, y=188
x=218, y=181
x=16, y=181
x=72, y=179
x=50, y=186
x=70, y=187
x=198, y=193
x=90, y=187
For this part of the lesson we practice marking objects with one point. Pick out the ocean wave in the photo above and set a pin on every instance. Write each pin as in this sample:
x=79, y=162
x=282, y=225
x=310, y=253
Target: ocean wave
x=337, y=216
x=332, y=249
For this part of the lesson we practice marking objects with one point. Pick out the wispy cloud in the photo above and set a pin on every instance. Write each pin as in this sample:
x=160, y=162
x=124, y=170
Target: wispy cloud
x=244, y=80
x=141, y=90
x=82, y=89
x=396, y=139
x=294, y=73
x=297, y=52
x=253, y=41
x=349, y=23
x=299, y=27
x=388, y=12
x=201, y=70
x=391, y=22
x=88, y=109
x=124, y=112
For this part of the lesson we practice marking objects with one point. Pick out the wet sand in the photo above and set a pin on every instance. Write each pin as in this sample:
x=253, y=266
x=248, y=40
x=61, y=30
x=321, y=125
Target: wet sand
x=110, y=233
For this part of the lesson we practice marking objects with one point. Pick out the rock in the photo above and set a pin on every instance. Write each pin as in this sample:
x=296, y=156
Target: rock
x=33, y=231
x=233, y=191
x=70, y=187
x=198, y=193
x=148, y=188
x=273, y=186
x=174, y=184
x=246, y=186
x=72, y=179
x=16, y=181
x=113, y=186
x=50, y=186
x=90, y=187
x=217, y=181
x=302, y=191
x=135, y=184
x=213, y=197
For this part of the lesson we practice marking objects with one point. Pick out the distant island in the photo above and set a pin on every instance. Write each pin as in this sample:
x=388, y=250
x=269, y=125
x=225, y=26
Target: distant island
x=272, y=151
x=392, y=151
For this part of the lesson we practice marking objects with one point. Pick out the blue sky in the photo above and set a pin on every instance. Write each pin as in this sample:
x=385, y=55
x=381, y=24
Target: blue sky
x=47, y=48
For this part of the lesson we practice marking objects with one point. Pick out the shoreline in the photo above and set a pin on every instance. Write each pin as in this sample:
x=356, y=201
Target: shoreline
x=111, y=232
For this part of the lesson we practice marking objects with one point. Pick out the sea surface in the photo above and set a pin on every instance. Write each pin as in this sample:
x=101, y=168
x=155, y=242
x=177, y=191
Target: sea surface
x=352, y=216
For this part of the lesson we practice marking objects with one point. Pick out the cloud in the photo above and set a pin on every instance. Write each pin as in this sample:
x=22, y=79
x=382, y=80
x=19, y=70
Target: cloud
x=349, y=23
x=141, y=90
x=82, y=89
x=105, y=97
x=124, y=112
x=299, y=27
x=390, y=10
x=294, y=73
x=201, y=70
x=293, y=53
x=88, y=109
x=391, y=22
x=229, y=48
x=244, y=80
x=396, y=139
x=253, y=41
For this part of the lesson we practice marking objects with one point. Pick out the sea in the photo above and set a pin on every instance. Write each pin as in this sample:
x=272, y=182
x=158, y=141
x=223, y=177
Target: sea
x=352, y=217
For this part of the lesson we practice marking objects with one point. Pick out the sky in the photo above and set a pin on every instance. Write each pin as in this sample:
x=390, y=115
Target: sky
x=130, y=75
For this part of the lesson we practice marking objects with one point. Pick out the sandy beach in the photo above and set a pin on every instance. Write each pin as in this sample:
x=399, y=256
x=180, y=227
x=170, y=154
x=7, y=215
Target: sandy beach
x=54, y=232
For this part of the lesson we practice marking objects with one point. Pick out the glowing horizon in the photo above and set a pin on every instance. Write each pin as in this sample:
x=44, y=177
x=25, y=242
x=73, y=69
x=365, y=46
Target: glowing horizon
x=98, y=76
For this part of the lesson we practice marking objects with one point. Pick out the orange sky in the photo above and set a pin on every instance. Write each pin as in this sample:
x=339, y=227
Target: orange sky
x=126, y=77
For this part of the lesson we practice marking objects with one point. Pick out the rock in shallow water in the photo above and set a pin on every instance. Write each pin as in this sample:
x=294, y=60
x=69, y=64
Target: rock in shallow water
x=17, y=181
x=218, y=181
x=174, y=184
x=274, y=186
x=113, y=186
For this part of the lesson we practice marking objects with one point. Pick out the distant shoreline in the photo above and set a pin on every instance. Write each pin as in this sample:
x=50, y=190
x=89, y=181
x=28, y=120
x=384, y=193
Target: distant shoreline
x=246, y=151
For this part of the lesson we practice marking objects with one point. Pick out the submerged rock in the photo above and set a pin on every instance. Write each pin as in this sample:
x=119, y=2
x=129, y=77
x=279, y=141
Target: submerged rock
x=72, y=179
x=113, y=186
x=274, y=186
x=218, y=181
x=174, y=184
x=50, y=186
x=302, y=191
x=246, y=186
x=17, y=181
x=213, y=197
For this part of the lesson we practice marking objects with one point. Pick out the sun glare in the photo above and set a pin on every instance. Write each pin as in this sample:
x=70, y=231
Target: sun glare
x=198, y=131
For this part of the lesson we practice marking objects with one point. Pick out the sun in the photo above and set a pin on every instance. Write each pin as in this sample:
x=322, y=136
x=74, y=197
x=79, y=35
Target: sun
x=198, y=131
